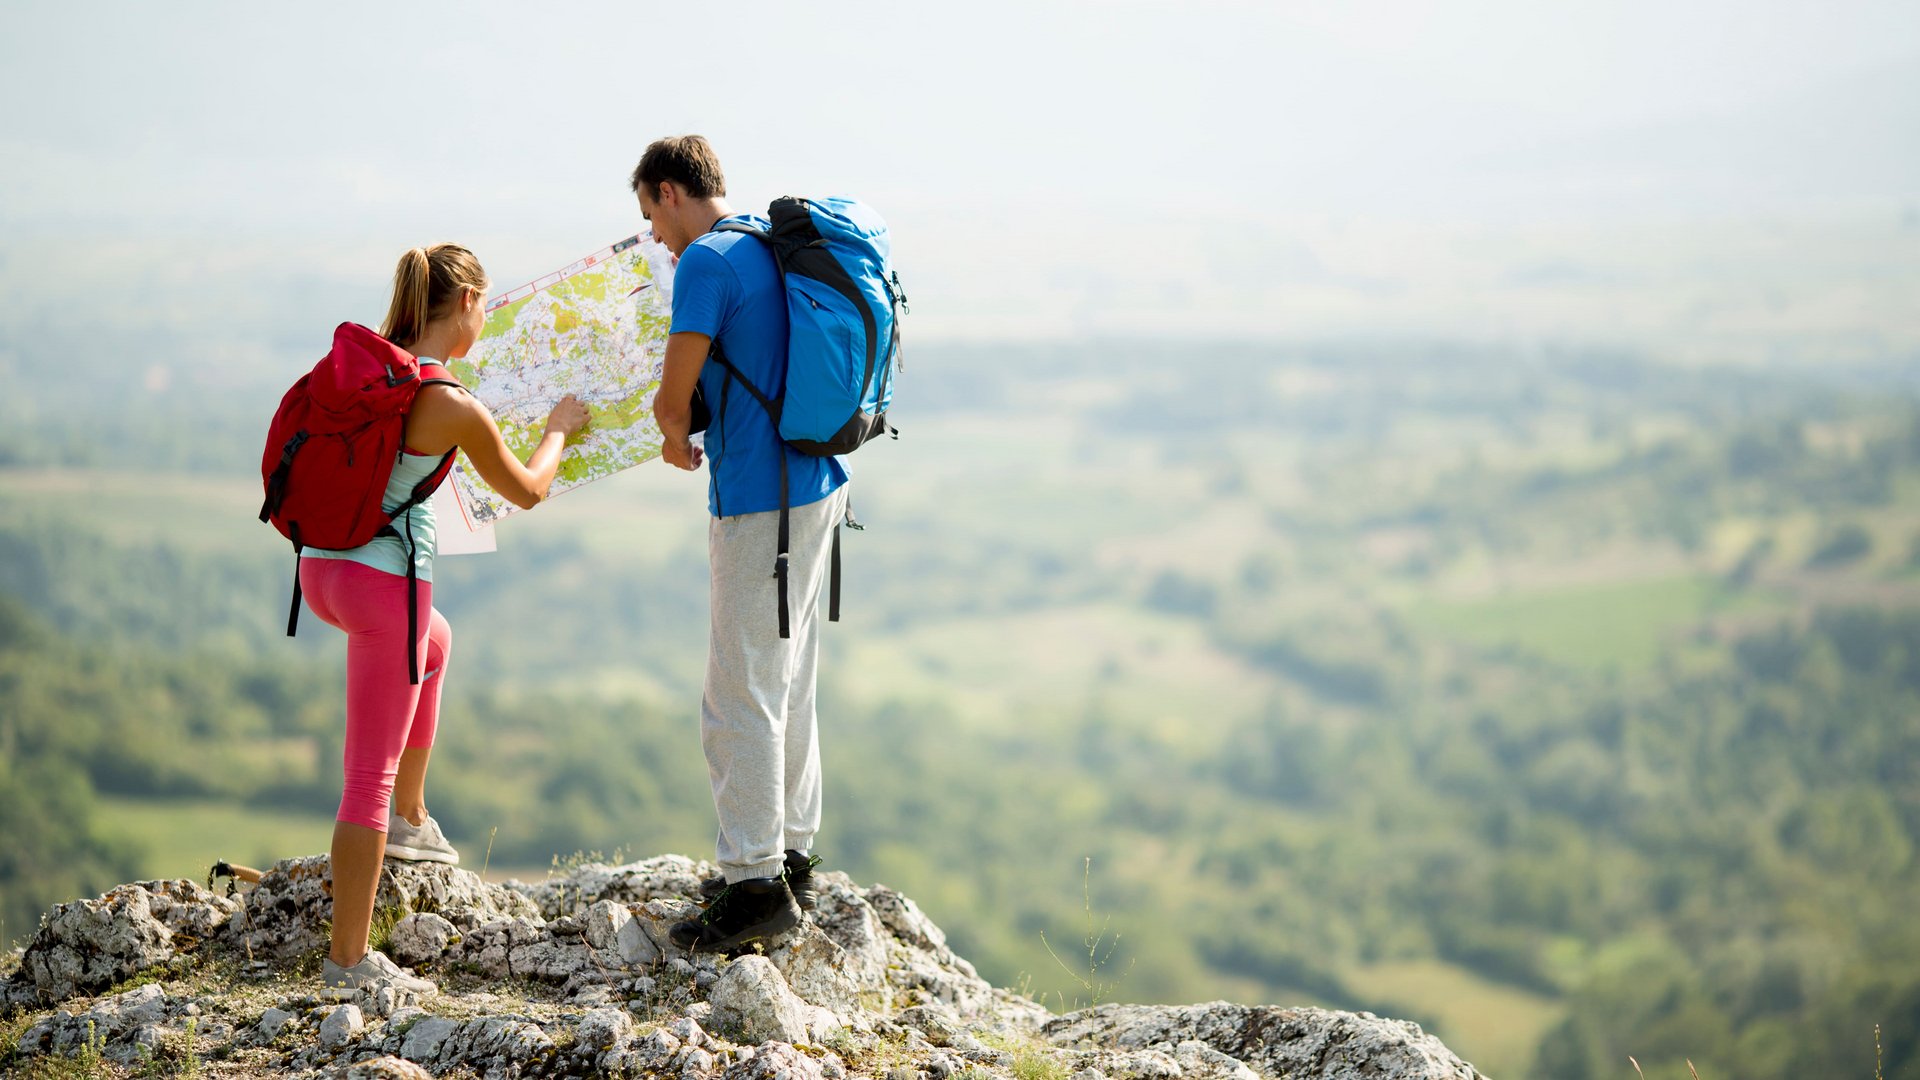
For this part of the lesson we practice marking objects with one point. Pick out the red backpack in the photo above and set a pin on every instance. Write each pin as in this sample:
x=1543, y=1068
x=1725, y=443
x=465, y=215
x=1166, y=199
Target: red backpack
x=332, y=447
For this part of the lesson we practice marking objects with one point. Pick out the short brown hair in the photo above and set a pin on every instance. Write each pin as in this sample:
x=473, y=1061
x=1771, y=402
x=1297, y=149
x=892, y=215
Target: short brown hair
x=687, y=160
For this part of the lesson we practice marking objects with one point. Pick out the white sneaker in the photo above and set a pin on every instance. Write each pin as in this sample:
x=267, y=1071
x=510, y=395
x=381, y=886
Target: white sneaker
x=419, y=843
x=373, y=972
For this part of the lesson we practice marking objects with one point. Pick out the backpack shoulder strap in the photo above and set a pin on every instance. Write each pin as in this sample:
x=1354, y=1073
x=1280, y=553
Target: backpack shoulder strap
x=436, y=375
x=750, y=230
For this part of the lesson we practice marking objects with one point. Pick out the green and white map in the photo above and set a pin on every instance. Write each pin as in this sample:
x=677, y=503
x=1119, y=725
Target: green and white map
x=597, y=329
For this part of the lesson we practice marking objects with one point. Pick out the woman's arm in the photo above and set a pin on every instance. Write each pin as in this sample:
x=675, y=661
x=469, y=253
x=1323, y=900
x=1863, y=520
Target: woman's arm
x=444, y=417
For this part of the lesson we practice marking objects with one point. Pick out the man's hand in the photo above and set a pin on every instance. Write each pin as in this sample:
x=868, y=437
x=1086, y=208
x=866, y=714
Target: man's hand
x=681, y=453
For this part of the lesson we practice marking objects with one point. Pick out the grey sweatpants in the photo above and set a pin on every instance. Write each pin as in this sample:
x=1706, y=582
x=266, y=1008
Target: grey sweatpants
x=757, y=722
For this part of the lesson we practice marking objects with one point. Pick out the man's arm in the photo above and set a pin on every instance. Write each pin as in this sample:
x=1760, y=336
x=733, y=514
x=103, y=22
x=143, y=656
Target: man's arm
x=673, y=402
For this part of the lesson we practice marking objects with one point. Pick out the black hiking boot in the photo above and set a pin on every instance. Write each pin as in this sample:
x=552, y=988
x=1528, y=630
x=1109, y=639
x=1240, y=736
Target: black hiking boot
x=799, y=875
x=743, y=913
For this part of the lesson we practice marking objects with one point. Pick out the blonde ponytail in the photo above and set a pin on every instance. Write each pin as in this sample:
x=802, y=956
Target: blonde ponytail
x=426, y=284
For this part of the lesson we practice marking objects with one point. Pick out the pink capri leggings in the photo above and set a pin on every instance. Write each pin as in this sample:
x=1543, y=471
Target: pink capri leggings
x=386, y=711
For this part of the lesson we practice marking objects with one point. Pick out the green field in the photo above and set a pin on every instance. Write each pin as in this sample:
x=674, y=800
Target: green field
x=184, y=838
x=1624, y=626
x=1494, y=1026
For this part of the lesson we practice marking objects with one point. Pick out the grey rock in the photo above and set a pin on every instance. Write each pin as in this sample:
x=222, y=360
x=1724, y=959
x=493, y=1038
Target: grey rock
x=674, y=876
x=591, y=996
x=638, y=941
x=424, y=1039
x=498, y=1042
x=868, y=965
x=291, y=910
x=551, y=960
x=421, y=937
x=342, y=1024
x=88, y=945
x=603, y=1029
x=393, y=1034
x=141, y=1005
x=1271, y=1041
x=775, y=1061
x=822, y=1023
x=116, y=1026
x=602, y=924
x=273, y=1022
x=937, y=1022
x=696, y=1064
x=384, y=1001
x=753, y=998
x=1198, y=1061
x=687, y=1031
x=387, y=1067
x=147, y=1035
x=648, y=1055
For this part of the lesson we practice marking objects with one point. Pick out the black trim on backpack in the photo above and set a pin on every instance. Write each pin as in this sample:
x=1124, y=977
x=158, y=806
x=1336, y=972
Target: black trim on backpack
x=293, y=609
x=277, y=483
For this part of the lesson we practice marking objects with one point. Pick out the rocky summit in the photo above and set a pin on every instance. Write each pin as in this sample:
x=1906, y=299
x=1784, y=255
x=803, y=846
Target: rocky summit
x=574, y=976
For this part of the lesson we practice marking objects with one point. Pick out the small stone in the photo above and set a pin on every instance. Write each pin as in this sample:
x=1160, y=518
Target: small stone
x=603, y=922
x=687, y=1031
x=775, y=1061
x=752, y=998
x=592, y=995
x=421, y=937
x=384, y=1000
x=387, y=1067
x=635, y=944
x=937, y=1023
x=696, y=1064
x=273, y=1022
x=603, y=1029
x=343, y=1022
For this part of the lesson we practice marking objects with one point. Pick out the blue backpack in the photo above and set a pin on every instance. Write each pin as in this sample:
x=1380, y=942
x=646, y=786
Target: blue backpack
x=843, y=342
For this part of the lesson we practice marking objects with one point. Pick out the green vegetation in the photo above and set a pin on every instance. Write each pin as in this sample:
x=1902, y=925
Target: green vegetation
x=1563, y=705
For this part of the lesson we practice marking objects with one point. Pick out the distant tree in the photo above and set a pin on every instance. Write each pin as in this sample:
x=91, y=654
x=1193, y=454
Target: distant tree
x=1848, y=544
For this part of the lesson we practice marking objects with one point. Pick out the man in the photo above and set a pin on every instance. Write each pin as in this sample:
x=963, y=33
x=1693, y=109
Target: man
x=757, y=722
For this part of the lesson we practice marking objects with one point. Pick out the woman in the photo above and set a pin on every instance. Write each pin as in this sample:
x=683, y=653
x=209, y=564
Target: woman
x=436, y=314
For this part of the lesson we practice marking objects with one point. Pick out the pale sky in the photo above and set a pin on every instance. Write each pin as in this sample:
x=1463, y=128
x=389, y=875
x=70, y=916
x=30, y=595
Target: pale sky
x=1016, y=147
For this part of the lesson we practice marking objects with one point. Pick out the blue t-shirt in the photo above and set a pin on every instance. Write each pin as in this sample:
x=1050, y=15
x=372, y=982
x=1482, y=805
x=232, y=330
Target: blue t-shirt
x=728, y=287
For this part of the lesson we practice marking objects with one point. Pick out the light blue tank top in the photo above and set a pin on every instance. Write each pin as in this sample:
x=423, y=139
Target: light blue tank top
x=387, y=552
